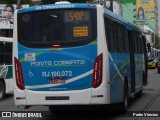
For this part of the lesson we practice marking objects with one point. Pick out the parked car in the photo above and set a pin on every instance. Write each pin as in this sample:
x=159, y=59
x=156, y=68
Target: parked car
x=152, y=63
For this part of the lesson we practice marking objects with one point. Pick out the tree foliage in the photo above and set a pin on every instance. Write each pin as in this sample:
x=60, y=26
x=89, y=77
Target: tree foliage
x=8, y=1
x=72, y=1
x=43, y=1
x=15, y=2
x=27, y=2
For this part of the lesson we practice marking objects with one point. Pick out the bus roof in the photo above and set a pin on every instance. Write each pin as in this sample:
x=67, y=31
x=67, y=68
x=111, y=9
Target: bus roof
x=56, y=6
x=78, y=5
x=120, y=19
x=6, y=39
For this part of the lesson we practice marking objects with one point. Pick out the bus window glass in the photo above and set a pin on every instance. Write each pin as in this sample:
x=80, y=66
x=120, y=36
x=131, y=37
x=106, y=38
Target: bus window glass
x=138, y=43
x=126, y=40
x=8, y=53
x=1, y=53
x=135, y=41
x=119, y=38
x=112, y=36
x=78, y=24
x=56, y=26
x=107, y=33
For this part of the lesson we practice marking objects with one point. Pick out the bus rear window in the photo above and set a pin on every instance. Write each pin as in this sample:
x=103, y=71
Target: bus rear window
x=56, y=26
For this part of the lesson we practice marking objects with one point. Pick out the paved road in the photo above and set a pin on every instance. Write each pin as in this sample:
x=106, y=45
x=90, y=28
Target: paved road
x=149, y=101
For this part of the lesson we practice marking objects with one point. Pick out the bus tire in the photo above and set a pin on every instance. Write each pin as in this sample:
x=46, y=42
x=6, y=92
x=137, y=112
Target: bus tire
x=2, y=90
x=124, y=104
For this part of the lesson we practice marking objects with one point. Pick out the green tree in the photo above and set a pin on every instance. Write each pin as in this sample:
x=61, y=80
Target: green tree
x=15, y=2
x=43, y=1
x=72, y=1
x=27, y=2
x=8, y=1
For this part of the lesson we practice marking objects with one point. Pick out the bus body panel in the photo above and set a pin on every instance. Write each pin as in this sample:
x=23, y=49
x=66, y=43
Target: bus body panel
x=73, y=97
x=19, y=97
x=60, y=65
x=119, y=65
x=122, y=62
x=38, y=85
x=9, y=85
x=104, y=88
x=139, y=69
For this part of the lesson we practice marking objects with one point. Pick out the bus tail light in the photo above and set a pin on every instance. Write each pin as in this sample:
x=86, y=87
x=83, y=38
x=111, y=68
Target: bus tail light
x=19, y=74
x=97, y=72
x=56, y=45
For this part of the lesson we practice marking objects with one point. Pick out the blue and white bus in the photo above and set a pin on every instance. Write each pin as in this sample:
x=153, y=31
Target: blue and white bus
x=76, y=54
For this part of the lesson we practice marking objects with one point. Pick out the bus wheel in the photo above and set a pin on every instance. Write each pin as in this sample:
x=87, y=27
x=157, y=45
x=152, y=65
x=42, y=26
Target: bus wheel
x=2, y=90
x=124, y=104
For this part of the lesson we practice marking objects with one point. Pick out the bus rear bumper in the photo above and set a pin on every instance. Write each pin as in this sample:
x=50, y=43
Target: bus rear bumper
x=52, y=97
x=19, y=97
x=49, y=98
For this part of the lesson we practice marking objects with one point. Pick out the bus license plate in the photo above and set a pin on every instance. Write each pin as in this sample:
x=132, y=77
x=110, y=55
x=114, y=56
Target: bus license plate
x=57, y=81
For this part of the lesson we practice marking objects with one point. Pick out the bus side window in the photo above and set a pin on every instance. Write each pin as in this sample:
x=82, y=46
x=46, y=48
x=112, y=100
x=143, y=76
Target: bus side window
x=1, y=53
x=125, y=33
x=120, y=38
x=117, y=46
x=123, y=47
x=143, y=45
x=138, y=43
x=135, y=41
x=107, y=33
x=8, y=53
x=112, y=35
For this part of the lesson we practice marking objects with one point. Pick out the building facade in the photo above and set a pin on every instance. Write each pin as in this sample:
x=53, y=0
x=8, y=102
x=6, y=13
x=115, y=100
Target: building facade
x=141, y=12
x=159, y=17
x=7, y=18
x=113, y=5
